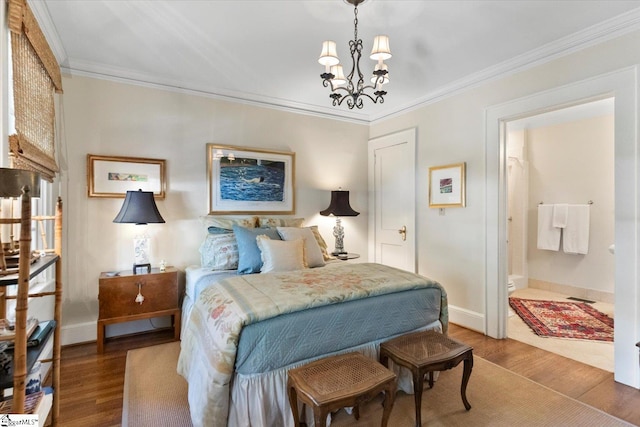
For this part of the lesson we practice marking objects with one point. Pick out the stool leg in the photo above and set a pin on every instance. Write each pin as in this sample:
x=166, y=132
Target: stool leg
x=418, y=383
x=389, y=399
x=320, y=416
x=468, y=366
x=293, y=402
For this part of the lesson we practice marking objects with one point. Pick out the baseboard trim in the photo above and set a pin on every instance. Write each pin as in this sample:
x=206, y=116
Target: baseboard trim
x=87, y=331
x=467, y=318
x=78, y=333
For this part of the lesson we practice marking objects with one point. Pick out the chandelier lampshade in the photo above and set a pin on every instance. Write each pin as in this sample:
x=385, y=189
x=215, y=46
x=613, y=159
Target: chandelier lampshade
x=329, y=54
x=339, y=79
x=381, y=50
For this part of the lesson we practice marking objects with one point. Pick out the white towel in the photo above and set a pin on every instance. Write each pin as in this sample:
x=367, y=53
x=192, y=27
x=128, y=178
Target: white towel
x=576, y=234
x=548, y=235
x=560, y=213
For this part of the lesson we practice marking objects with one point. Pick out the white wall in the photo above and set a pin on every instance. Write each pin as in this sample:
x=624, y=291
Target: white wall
x=574, y=163
x=107, y=118
x=453, y=130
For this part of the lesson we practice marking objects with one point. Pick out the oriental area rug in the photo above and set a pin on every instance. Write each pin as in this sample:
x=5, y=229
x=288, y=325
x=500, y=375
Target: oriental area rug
x=560, y=319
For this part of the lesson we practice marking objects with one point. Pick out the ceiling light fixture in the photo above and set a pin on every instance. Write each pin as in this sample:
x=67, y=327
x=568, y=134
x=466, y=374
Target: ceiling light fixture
x=334, y=78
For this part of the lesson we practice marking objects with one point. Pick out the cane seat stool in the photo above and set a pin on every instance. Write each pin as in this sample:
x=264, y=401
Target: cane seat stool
x=340, y=381
x=427, y=352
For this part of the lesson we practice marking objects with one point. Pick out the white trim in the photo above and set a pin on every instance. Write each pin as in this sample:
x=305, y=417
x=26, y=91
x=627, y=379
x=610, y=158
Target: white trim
x=599, y=33
x=147, y=80
x=40, y=11
x=623, y=86
x=603, y=31
x=78, y=333
x=467, y=318
x=88, y=332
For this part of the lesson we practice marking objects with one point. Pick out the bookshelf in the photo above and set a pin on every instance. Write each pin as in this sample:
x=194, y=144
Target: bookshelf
x=22, y=185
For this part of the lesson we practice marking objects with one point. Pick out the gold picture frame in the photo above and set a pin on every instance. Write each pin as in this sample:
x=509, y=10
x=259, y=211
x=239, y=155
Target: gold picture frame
x=113, y=176
x=243, y=180
x=447, y=186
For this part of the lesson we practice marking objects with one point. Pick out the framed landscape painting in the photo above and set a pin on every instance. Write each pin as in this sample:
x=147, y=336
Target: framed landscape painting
x=112, y=176
x=447, y=186
x=245, y=180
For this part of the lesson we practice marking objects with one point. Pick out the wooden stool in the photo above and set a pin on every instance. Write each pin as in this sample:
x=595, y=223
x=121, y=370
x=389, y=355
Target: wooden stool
x=339, y=381
x=427, y=352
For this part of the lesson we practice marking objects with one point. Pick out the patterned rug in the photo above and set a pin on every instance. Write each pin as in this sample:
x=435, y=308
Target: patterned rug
x=564, y=319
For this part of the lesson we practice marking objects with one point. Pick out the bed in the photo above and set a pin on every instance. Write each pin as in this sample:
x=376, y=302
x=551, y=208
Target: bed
x=242, y=333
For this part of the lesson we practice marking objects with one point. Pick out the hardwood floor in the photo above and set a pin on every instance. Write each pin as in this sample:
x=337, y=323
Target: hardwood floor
x=92, y=384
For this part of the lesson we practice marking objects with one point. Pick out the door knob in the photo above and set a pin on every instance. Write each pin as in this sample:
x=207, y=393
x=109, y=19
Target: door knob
x=403, y=232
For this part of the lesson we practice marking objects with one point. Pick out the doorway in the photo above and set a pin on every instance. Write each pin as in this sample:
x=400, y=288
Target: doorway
x=565, y=156
x=621, y=85
x=392, y=178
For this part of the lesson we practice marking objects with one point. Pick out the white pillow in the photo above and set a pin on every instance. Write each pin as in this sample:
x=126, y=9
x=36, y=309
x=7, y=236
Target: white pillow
x=280, y=255
x=312, y=253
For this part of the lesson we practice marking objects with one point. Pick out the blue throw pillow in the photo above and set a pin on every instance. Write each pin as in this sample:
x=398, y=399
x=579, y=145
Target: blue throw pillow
x=249, y=259
x=217, y=230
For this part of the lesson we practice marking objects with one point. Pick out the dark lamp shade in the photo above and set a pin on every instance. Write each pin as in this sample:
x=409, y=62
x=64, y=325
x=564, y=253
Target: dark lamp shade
x=339, y=205
x=139, y=207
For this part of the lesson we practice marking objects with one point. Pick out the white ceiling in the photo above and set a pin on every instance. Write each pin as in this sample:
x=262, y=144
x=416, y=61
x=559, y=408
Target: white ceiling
x=266, y=51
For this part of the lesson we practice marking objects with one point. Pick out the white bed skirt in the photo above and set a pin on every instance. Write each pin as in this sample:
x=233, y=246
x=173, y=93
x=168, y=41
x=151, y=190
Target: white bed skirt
x=262, y=399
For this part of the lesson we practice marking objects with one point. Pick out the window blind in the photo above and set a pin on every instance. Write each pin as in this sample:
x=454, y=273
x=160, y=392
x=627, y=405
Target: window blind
x=36, y=76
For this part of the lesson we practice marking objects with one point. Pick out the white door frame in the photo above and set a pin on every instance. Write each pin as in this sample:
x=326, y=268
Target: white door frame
x=623, y=87
x=406, y=136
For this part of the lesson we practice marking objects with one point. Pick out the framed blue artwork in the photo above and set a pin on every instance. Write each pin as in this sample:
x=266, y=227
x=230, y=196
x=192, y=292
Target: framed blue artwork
x=244, y=180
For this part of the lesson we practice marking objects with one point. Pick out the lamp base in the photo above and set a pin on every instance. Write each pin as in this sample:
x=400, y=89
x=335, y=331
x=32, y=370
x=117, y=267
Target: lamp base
x=141, y=266
x=337, y=253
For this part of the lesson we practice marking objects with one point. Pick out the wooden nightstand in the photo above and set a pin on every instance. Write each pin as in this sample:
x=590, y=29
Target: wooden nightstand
x=162, y=292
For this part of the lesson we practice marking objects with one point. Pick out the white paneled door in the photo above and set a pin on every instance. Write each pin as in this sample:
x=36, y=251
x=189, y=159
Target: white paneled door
x=392, y=178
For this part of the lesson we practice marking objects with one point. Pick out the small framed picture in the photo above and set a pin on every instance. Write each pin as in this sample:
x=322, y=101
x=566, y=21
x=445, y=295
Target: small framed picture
x=112, y=176
x=447, y=186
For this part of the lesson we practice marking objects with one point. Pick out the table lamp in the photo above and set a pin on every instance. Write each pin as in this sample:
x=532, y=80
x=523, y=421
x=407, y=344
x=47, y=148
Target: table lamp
x=139, y=207
x=338, y=207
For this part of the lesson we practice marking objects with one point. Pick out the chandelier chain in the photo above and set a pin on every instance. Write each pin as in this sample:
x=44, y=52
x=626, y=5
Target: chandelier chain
x=355, y=23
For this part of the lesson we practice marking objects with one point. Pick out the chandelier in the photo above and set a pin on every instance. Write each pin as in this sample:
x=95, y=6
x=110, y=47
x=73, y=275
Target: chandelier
x=345, y=88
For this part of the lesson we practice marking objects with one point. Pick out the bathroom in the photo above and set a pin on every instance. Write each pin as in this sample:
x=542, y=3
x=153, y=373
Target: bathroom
x=565, y=156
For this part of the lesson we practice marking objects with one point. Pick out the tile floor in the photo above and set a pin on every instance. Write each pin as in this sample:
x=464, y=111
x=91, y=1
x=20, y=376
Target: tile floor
x=594, y=353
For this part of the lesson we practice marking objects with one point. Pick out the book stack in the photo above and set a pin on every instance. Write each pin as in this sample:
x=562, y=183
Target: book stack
x=8, y=332
x=38, y=333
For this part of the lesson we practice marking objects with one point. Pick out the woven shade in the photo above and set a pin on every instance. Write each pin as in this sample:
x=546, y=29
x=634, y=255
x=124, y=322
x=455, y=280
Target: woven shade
x=36, y=75
x=23, y=21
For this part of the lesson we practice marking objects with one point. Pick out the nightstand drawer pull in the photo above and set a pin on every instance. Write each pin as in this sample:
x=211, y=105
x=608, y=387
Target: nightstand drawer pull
x=139, y=298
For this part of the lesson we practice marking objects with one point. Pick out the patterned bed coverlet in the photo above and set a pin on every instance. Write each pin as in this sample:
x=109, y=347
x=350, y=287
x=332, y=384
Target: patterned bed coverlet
x=210, y=339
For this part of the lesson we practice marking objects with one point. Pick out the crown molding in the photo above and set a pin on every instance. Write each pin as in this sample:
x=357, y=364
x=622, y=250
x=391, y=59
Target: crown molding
x=596, y=34
x=599, y=33
x=40, y=11
x=114, y=74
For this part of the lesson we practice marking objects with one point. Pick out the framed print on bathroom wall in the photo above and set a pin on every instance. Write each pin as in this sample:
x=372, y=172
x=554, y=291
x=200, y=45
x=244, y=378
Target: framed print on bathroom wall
x=244, y=180
x=113, y=176
x=447, y=186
